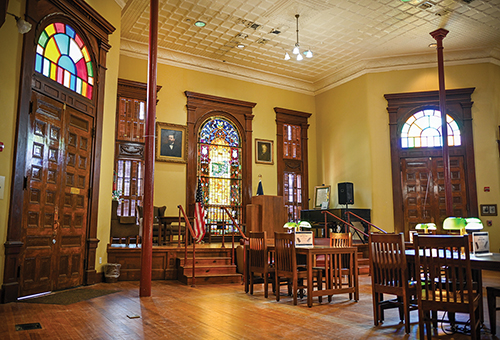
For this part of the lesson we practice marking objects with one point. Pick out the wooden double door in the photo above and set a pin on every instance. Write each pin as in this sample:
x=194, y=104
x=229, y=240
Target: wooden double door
x=55, y=207
x=424, y=190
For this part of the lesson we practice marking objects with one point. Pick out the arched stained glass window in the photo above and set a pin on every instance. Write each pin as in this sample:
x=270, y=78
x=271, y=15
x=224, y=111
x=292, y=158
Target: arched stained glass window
x=62, y=56
x=423, y=130
x=219, y=169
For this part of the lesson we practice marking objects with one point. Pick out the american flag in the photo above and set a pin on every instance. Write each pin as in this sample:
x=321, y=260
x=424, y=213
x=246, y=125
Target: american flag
x=199, y=215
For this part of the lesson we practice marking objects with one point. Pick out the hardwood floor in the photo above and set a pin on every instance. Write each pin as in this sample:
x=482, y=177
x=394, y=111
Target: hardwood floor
x=176, y=311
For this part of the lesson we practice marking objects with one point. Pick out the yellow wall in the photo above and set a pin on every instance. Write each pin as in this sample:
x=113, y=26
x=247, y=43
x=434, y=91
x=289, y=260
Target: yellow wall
x=170, y=178
x=9, y=87
x=353, y=130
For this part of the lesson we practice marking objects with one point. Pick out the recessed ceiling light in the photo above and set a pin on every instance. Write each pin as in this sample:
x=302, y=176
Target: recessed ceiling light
x=241, y=45
x=432, y=45
x=200, y=24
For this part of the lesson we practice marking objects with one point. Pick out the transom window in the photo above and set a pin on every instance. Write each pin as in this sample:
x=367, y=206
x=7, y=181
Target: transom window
x=219, y=170
x=423, y=130
x=62, y=56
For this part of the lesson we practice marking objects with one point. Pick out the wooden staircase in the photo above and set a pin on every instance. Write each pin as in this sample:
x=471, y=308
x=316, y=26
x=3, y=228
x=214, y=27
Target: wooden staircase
x=363, y=258
x=213, y=266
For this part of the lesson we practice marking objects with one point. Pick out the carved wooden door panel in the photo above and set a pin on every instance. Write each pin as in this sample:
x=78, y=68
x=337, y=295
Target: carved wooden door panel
x=55, y=204
x=423, y=190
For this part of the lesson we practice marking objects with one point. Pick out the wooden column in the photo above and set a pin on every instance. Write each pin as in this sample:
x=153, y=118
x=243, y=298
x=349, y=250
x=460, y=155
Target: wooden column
x=439, y=35
x=149, y=156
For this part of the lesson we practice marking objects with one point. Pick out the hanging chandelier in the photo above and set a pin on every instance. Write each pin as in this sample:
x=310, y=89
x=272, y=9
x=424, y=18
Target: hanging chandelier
x=296, y=48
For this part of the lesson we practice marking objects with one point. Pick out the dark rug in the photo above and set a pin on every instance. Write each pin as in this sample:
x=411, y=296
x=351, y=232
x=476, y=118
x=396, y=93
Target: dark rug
x=67, y=297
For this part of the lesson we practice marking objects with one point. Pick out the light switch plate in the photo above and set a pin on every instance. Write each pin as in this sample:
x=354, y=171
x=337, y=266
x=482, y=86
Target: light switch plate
x=2, y=186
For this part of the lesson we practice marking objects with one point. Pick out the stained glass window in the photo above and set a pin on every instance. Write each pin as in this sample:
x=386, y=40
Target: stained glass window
x=423, y=130
x=62, y=56
x=219, y=169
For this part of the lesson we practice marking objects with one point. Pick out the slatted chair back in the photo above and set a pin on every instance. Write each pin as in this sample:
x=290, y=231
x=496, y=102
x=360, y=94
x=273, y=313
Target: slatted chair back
x=285, y=257
x=258, y=259
x=389, y=273
x=340, y=240
x=445, y=281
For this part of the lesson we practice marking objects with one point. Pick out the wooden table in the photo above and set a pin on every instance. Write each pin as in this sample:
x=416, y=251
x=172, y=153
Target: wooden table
x=331, y=288
x=477, y=263
x=311, y=253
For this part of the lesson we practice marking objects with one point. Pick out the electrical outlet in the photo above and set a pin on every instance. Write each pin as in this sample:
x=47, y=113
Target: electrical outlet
x=100, y=260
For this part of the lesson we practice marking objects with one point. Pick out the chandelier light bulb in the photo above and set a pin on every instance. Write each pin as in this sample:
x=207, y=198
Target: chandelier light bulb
x=287, y=56
x=308, y=54
x=299, y=57
x=296, y=49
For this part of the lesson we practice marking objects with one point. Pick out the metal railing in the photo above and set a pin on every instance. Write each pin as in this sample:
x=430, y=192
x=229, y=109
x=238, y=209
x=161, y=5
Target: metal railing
x=349, y=213
x=235, y=223
x=359, y=231
x=189, y=230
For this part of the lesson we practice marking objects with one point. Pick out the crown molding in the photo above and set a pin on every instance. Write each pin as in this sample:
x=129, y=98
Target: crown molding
x=225, y=69
x=352, y=71
x=121, y=3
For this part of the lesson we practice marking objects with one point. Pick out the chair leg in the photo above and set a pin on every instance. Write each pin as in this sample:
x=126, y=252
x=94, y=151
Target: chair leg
x=294, y=287
x=492, y=307
x=421, y=324
x=406, y=304
x=251, y=283
x=277, y=284
x=428, y=327
x=265, y=285
x=375, y=300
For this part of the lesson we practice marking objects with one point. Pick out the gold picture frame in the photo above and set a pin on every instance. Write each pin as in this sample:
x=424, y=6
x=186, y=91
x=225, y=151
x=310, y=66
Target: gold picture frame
x=322, y=196
x=171, y=143
x=264, y=152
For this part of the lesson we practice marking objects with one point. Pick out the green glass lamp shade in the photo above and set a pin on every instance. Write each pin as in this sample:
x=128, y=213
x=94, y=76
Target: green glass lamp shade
x=304, y=224
x=290, y=225
x=454, y=223
x=473, y=224
x=425, y=226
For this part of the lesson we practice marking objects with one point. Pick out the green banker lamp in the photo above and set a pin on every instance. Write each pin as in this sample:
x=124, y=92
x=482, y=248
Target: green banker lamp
x=304, y=224
x=455, y=224
x=426, y=227
x=473, y=224
x=291, y=226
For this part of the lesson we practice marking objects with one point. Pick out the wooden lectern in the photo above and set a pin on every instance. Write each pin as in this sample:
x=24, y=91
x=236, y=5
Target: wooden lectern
x=266, y=213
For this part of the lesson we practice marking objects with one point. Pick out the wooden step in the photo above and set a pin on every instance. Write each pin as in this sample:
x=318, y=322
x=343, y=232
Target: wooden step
x=207, y=270
x=205, y=261
x=363, y=261
x=211, y=279
x=363, y=269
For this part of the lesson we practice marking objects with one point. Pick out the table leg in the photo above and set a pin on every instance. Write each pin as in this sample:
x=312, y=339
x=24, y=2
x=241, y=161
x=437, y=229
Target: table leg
x=309, y=279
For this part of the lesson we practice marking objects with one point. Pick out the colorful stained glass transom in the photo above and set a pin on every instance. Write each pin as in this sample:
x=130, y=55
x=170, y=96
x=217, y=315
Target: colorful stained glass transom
x=423, y=130
x=62, y=56
x=219, y=168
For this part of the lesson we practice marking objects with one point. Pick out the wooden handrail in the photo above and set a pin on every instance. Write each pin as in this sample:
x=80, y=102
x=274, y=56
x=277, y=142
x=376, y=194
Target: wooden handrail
x=232, y=236
x=190, y=229
x=341, y=220
x=369, y=223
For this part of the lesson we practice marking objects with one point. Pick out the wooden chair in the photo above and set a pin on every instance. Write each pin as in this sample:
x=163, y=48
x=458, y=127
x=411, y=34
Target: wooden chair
x=286, y=265
x=390, y=275
x=340, y=240
x=444, y=282
x=492, y=293
x=258, y=259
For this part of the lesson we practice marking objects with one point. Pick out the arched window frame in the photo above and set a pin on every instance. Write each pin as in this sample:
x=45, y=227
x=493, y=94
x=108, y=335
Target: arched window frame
x=220, y=175
x=415, y=130
x=63, y=56
x=201, y=107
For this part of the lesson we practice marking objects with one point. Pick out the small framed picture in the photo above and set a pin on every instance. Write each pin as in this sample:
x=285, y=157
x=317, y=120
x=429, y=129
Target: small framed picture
x=264, y=151
x=322, y=196
x=171, y=143
x=488, y=209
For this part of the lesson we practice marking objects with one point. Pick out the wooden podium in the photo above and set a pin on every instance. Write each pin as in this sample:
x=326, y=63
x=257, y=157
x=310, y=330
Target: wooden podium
x=266, y=213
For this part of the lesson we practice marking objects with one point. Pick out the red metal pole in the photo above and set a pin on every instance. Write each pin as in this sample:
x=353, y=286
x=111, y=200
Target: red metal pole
x=439, y=35
x=149, y=156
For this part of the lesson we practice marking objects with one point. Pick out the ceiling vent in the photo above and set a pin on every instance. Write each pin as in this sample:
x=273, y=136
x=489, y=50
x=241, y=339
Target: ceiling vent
x=425, y=5
x=467, y=1
x=443, y=13
x=275, y=31
x=262, y=41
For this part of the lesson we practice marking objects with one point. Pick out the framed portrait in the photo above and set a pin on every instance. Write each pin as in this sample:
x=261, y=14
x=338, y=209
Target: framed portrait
x=489, y=210
x=171, y=142
x=264, y=151
x=322, y=196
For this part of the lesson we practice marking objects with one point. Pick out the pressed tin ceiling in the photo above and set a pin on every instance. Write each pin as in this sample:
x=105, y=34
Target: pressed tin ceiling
x=348, y=37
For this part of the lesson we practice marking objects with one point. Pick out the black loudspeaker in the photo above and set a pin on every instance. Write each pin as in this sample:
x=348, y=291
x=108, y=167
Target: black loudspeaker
x=346, y=193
